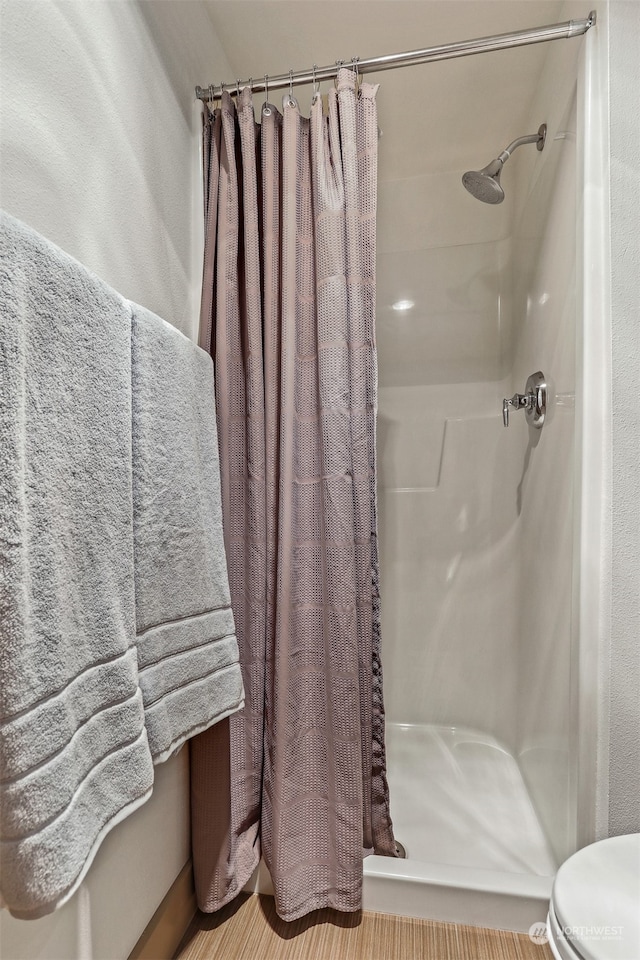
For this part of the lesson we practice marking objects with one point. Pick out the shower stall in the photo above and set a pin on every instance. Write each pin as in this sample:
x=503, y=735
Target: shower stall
x=488, y=514
x=481, y=548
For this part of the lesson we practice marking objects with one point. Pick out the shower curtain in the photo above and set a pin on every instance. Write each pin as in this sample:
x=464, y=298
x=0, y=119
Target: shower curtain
x=288, y=316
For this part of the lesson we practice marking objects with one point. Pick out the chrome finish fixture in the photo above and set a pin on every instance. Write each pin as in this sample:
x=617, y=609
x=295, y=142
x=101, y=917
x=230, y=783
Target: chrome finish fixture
x=533, y=401
x=289, y=100
x=448, y=51
x=485, y=184
x=266, y=109
x=316, y=85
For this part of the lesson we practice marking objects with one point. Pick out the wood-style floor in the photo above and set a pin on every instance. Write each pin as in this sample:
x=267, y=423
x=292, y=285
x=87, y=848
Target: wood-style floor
x=249, y=929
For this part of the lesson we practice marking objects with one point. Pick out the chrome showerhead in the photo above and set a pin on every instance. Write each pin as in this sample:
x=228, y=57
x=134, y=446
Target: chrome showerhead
x=485, y=184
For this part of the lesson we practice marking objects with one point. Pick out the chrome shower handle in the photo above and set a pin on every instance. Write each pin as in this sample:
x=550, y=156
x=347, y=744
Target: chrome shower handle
x=534, y=401
x=517, y=401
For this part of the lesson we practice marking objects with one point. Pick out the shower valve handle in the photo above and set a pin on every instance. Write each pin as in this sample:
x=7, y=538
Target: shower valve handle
x=534, y=401
x=517, y=401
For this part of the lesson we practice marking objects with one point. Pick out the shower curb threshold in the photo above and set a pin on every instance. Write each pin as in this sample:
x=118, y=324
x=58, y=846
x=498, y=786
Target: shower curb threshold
x=455, y=894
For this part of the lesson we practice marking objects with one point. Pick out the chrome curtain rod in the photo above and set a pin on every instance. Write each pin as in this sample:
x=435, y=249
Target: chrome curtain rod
x=448, y=51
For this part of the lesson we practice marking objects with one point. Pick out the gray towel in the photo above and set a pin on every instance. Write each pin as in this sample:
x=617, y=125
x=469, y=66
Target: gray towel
x=74, y=757
x=187, y=650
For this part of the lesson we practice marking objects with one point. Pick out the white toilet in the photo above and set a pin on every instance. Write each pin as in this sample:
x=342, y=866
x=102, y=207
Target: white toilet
x=594, y=912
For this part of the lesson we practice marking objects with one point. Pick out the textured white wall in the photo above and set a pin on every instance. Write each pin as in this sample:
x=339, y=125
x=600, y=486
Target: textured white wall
x=624, y=709
x=99, y=138
x=98, y=146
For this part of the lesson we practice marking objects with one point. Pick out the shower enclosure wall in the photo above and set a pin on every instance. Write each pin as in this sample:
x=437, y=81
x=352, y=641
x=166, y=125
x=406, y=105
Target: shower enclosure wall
x=477, y=524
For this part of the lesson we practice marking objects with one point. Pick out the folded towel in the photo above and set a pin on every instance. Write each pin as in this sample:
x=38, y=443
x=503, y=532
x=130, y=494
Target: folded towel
x=74, y=757
x=187, y=650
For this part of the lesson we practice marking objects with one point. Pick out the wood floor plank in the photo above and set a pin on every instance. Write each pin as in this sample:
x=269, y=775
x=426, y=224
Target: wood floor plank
x=249, y=929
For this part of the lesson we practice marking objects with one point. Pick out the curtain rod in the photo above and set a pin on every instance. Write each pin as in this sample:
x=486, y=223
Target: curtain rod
x=448, y=51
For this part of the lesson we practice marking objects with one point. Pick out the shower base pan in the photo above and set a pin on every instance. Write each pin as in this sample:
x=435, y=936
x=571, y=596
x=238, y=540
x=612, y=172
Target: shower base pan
x=476, y=853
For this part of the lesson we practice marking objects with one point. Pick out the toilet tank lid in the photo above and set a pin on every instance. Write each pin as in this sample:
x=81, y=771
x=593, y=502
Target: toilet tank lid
x=596, y=899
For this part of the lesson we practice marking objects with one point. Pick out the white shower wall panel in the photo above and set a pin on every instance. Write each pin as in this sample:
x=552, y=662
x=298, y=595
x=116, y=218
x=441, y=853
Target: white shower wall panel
x=448, y=573
x=457, y=330
x=545, y=307
x=447, y=506
x=433, y=212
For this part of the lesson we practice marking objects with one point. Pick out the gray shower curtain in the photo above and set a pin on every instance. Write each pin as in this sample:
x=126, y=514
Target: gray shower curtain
x=288, y=316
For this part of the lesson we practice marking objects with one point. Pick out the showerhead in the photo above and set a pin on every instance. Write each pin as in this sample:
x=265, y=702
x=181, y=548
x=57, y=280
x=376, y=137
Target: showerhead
x=485, y=184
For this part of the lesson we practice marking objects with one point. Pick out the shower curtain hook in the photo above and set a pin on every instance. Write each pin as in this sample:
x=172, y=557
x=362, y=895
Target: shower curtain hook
x=266, y=109
x=237, y=88
x=292, y=102
x=211, y=103
x=316, y=85
x=354, y=64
